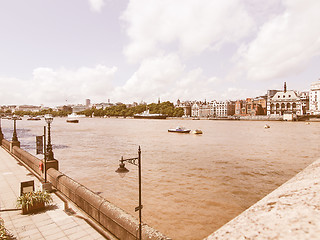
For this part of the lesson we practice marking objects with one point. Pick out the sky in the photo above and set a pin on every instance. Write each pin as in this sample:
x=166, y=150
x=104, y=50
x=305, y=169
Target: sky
x=58, y=52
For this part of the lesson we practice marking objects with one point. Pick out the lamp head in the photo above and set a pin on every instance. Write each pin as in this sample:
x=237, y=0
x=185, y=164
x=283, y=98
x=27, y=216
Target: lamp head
x=48, y=118
x=122, y=170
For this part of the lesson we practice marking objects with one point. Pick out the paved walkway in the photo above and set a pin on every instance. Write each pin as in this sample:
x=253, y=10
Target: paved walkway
x=52, y=223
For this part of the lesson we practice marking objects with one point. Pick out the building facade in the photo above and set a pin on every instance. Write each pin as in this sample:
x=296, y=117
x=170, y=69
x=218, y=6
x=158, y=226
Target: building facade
x=314, y=98
x=222, y=108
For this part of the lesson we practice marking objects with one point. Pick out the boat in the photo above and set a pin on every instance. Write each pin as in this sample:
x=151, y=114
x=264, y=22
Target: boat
x=266, y=126
x=74, y=115
x=72, y=120
x=147, y=115
x=34, y=118
x=179, y=130
x=197, y=131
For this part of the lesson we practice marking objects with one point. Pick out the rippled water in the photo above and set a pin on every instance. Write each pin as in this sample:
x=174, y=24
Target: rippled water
x=192, y=184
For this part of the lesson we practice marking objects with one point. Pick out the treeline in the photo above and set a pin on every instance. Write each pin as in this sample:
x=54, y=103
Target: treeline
x=60, y=113
x=118, y=110
x=166, y=108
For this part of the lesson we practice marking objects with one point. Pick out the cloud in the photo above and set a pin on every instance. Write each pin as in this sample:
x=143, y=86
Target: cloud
x=62, y=86
x=96, y=5
x=194, y=26
x=166, y=77
x=285, y=45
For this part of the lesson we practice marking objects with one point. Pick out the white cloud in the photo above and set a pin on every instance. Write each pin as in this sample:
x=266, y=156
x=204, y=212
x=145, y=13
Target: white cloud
x=61, y=86
x=96, y=5
x=165, y=77
x=285, y=45
x=195, y=26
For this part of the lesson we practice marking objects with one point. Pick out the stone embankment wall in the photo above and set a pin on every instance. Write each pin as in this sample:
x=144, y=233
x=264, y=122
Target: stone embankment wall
x=121, y=224
x=292, y=211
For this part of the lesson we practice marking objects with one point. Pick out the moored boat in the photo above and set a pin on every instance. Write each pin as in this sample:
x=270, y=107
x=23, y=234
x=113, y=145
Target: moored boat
x=72, y=120
x=147, y=115
x=197, y=131
x=179, y=130
x=34, y=118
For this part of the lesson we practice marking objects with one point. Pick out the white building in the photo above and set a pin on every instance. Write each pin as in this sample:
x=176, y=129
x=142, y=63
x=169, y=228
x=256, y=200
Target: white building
x=200, y=109
x=222, y=108
x=314, y=98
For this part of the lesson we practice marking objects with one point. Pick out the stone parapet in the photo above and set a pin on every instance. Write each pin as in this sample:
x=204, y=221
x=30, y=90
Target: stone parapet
x=112, y=218
x=115, y=220
x=292, y=211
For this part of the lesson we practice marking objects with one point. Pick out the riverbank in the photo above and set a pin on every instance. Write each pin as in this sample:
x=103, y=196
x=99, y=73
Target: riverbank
x=292, y=211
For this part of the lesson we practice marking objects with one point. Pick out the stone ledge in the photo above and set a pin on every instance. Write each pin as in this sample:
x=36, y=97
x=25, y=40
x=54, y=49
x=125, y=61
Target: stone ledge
x=292, y=211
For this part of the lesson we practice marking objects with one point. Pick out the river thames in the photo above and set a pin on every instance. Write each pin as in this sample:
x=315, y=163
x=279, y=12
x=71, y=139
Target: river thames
x=191, y=184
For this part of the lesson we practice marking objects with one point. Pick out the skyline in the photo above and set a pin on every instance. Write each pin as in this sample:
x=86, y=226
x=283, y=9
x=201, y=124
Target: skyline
x=57, y=53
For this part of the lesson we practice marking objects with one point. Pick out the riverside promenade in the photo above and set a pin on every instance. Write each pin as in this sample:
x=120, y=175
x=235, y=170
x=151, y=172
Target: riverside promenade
x=292, y=211
x=52, y=223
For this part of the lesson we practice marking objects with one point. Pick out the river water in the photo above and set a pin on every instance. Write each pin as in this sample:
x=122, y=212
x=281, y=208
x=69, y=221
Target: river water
x=191, y=184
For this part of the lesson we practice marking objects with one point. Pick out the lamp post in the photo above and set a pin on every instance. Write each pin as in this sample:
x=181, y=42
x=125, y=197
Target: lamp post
x=14, y=136
x=1, y=134
x=49, y=153
x=122, y=170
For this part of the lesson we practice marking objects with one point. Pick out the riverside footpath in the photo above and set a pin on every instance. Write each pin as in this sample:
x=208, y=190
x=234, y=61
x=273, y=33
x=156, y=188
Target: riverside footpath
x=52, y=223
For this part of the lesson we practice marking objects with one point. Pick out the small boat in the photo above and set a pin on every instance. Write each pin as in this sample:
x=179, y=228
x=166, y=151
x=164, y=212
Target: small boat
x=34, y=118
x=147, y=115
x=75, y=115
x=72, y=120
x=266, y=126
x=197, y=131
x=179, y=130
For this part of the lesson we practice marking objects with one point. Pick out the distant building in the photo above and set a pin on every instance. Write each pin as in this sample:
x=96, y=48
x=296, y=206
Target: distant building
x=256, y=106
x=186, y=107
x=251, y=106
x=200, y=109
x=102, y=105
x=240, y=108
x=314, y=98
x=28, y=108
x=9, y=108
x=288, y=102
x=222, y=108
x=78, y=108
x=88, y=103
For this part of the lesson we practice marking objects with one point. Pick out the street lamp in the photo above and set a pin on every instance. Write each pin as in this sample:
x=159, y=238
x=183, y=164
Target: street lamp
x=1, y=134
x=49, y=153
x=14, y=136
x=122, y=170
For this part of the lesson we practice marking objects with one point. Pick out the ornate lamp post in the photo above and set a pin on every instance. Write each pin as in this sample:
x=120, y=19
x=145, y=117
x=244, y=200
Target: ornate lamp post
x=1, y=134
x=122, y=170
x=14, y=136
x=49, y=152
